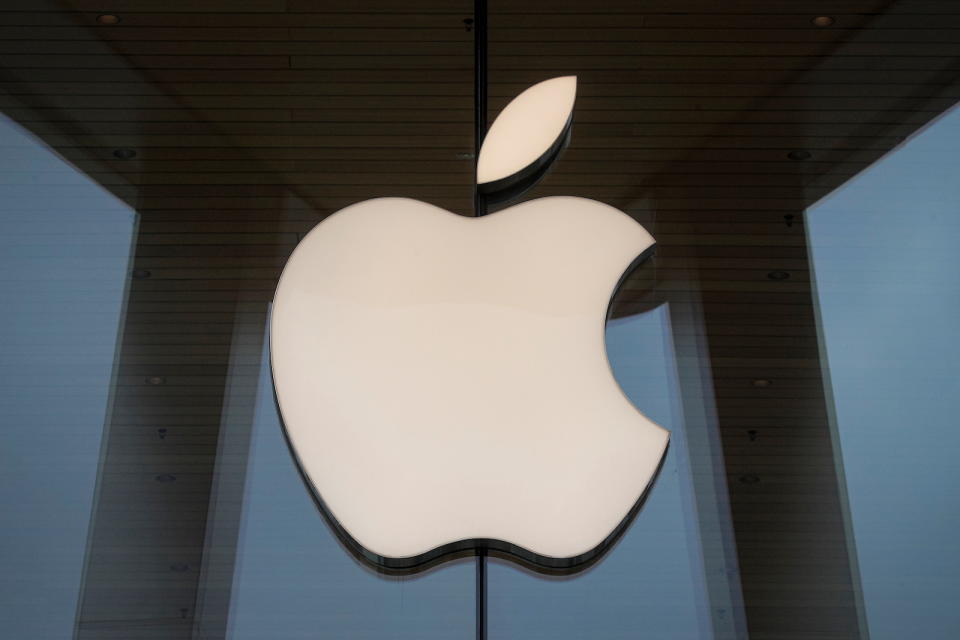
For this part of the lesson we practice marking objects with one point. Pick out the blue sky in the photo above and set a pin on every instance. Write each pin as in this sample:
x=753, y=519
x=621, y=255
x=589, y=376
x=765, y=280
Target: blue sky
x=886, y=265
x=64, y=254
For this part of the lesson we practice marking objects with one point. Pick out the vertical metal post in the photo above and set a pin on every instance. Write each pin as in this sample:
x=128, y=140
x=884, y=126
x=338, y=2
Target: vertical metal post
x=479, y=209
x=481, y=594
x=479, y=95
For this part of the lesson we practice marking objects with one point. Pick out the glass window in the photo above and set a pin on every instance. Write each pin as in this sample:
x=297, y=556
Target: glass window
x=883, y=251
x=793, y=328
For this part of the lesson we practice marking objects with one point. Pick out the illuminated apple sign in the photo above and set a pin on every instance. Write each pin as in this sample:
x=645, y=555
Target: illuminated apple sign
x=443, y=380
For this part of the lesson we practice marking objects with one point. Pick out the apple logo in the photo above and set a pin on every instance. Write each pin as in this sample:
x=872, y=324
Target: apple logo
x=443, y=380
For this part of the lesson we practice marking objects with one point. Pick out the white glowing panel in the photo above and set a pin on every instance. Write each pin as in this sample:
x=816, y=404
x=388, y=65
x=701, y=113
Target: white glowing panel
x=444, y=378
x=526, y=127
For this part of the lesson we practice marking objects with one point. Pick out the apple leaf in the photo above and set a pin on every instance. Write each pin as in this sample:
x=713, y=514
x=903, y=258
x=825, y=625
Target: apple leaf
x=527, y=129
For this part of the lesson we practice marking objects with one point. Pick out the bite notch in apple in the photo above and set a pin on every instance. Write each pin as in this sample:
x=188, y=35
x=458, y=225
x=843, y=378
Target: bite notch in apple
x=443, y=380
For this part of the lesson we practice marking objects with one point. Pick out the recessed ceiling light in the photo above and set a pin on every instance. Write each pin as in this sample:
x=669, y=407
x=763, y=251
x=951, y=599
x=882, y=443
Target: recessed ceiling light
x=155, y=380
x=141, y=274
x=823, y=21
x=761, y=382
x=799, y=155
x=108, y=19
x=124, y=154
x=465, y=155
x=165, y=478
x=778, y=275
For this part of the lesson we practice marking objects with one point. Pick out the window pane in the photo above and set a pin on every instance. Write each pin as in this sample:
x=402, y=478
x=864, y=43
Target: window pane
x=64, y=257
x=884, y=251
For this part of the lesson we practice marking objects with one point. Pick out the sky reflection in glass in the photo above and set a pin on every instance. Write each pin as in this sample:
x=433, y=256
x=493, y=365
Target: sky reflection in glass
x=64, y=254
x=885, y=259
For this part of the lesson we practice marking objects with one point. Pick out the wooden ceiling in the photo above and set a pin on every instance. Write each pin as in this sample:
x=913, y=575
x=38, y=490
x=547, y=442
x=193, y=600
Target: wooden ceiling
x=714, y=123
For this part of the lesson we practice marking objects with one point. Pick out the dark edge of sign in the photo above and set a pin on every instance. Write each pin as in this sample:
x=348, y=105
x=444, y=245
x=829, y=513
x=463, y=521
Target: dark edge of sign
x=500, y=193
